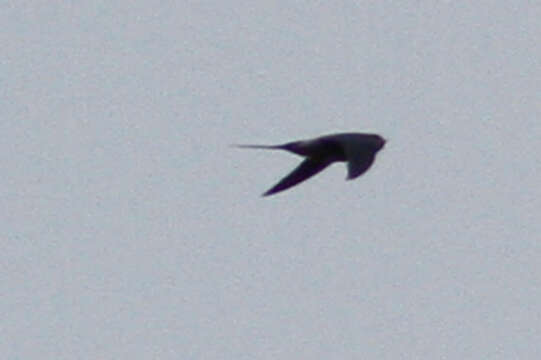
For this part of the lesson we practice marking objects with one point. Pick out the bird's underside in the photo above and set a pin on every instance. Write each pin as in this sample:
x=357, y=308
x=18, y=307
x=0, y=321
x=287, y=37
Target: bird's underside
x=357, y=149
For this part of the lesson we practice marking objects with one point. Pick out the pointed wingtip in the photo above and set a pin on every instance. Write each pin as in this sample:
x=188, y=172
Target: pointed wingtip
x=237, y=146
x=267, y=193
x=250, y=146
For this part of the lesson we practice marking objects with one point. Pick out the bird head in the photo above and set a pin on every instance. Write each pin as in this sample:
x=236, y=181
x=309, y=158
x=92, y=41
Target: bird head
x=377, y=142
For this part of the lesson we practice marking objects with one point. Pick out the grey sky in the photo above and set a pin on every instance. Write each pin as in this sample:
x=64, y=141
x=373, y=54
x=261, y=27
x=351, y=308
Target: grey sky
x=130, y=228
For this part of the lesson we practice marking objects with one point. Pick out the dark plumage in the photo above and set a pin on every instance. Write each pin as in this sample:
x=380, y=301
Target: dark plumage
x=359, y=150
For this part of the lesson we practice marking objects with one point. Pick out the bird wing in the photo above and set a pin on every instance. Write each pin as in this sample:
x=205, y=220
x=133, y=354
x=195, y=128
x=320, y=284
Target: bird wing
x=359, y=164
x=358, y=151
x=306, y=169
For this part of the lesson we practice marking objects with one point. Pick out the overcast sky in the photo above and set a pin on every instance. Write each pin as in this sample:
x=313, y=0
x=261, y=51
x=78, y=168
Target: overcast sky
x=130, y=229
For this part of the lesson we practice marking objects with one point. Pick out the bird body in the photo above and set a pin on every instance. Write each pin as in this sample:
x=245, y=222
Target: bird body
x=357, y=149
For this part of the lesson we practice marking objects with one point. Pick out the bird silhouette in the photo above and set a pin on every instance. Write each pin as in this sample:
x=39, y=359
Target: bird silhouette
x=357, y=149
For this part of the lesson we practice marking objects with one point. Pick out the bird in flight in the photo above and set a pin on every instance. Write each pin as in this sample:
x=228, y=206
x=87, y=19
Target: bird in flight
x=357, y=149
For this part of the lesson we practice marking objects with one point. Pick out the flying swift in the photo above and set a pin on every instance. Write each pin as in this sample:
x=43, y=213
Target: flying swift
x=357, y=149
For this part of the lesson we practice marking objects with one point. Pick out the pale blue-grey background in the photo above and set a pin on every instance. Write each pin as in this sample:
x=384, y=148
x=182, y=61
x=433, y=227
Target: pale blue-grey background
x=129, y=229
